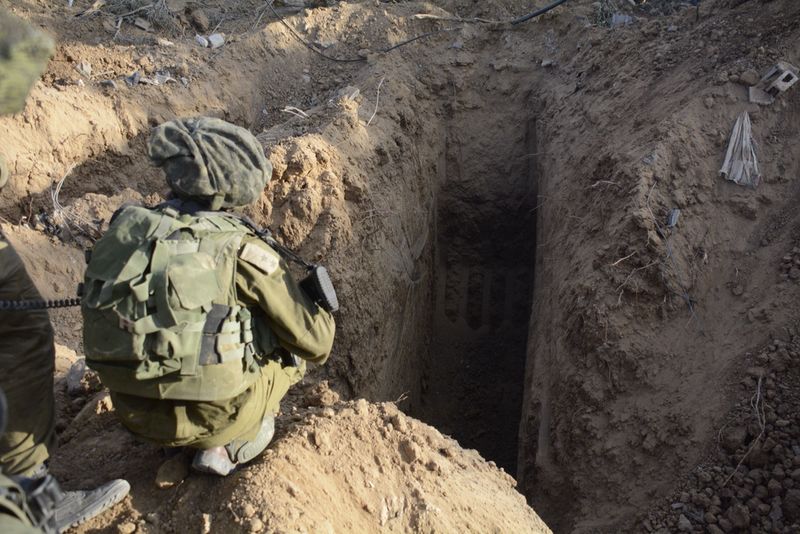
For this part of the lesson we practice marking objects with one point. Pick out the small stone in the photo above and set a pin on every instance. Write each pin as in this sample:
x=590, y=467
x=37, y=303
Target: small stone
x=321, y=439
x=215, y=40
x=75, y=377
x=733, y=438
x=111, y=84
x=206, y=524
x=248, y=510
x=794, y=273
x=409, y=451
x=739, y=516
x=791, y=505
x=202, y=41
x=363, y=53
x=172, y=472
x=714, y=529
x=749, y=77
x=199, y=19
x=361, y=407
x=709, y=102
x=256, y=525
x=684, y=525
x=548, y=62
x=84, y=68
x=126, y=528
x=672, y=28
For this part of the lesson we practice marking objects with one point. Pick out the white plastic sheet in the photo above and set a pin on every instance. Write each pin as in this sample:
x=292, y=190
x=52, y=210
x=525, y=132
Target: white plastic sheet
x=741, y=163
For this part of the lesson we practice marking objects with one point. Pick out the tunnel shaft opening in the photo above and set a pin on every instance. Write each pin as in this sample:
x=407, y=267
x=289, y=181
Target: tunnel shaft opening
x=485, y=232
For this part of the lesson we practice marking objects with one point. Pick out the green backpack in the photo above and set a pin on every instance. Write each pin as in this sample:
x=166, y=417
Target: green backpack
x=161, y=318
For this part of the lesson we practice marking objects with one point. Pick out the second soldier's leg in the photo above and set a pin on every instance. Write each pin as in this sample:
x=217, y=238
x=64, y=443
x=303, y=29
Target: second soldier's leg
x=26, y=371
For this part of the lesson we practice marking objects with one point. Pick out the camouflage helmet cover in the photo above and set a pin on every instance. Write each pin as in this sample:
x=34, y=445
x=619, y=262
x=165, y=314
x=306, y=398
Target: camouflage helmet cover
x=210, y=159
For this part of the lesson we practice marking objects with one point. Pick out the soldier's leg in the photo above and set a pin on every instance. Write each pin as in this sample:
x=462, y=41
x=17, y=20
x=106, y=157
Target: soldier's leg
x=275, y=382
x=26, y=371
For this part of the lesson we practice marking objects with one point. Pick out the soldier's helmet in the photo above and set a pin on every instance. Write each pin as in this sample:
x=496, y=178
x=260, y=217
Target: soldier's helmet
x=210, y=160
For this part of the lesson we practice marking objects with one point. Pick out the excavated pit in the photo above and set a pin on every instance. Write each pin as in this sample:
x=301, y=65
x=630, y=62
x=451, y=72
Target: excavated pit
x=483, y=283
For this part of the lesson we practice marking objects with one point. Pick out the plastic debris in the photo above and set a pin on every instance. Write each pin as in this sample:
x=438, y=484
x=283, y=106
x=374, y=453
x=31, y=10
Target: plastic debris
x=672, y=217
x=621, y=19
x=777, y=80
x=142, y=24
x=741, y=163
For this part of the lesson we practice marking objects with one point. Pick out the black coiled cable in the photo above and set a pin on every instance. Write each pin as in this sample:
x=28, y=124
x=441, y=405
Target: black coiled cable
x=38, y=304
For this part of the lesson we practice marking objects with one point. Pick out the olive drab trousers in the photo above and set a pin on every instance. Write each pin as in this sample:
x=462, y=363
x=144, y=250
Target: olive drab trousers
x=27, y=360
x=204, y=425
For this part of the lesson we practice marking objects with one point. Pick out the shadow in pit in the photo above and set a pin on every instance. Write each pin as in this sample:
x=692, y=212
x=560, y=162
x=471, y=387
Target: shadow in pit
x=485, y=249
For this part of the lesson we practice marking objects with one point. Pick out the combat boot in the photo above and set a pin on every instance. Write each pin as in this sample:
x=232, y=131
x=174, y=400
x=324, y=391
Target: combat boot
x=55, y=510
x=223, y=460
x=76, y=507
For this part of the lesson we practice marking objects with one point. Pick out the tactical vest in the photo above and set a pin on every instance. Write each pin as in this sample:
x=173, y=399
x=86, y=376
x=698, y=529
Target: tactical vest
x=160, y=312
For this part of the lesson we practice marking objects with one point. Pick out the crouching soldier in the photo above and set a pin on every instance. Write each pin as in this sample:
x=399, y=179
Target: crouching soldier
x=191, y=320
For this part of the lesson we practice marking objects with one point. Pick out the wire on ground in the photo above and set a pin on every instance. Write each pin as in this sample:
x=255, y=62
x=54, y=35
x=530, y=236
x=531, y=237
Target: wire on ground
x=311, y=47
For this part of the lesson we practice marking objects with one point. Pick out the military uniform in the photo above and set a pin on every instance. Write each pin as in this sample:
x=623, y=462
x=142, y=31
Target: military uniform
x=27, y=354
x=26, y=338
x=191, y=320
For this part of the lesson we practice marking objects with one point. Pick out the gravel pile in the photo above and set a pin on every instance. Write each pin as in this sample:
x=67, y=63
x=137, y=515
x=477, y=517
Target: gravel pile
x=751, y=483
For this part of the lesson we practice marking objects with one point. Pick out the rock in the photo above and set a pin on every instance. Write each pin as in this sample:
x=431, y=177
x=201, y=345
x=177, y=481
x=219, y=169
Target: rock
x=361, y=407
x=215, y=40
x=733, y=438
x=75, y=377
x=749, y=77
x=409, y=451
x=84, y=68
x=111, y=84
x=794, y=273
x=548, y=63
x=774, y=487
x=256, y=525
x=709, y=102
x=714, y=529
x=206, y=524
x=202, y=41
x=198, y=18
x=321, y=439
x=321, y=395
x=684, y=525
x=172, y=472
x=739, y=516
x=248, y=510
x=363, y=53
x=791, y=505
x=126, y=528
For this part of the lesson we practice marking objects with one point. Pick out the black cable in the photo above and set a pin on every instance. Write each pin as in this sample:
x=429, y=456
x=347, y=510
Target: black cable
x=308, y=45
x=38, y=304
x=538, y=12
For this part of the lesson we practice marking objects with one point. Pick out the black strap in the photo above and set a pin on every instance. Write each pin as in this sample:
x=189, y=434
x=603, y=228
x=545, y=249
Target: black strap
x=208, y=347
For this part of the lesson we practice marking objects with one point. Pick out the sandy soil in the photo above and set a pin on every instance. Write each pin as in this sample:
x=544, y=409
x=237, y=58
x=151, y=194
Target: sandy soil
x=491, y=201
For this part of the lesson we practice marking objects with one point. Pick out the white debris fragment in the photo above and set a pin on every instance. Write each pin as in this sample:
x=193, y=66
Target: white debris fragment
x=84, y=68
x=741, y=163
x=202, y=41
x=215, y=40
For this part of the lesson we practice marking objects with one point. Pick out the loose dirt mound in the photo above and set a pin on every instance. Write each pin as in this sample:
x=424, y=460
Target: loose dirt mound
x=334, y=467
